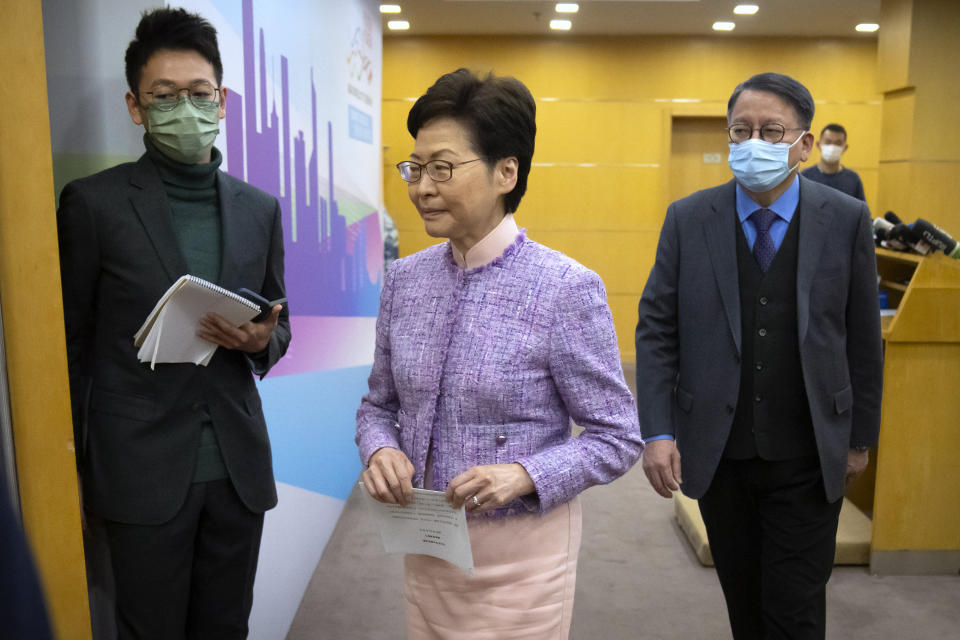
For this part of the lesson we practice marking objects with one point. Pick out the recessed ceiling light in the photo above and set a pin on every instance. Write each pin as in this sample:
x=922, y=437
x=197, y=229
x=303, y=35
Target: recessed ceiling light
x=398, y=25
x=389, y=8
x=567, y=7
x=724, y=26
x=560, y=25
x=867, y=27
x=745, y=9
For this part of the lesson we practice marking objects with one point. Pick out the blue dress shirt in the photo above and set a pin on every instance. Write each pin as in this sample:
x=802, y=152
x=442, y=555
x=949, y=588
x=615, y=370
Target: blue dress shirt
x=784, y=206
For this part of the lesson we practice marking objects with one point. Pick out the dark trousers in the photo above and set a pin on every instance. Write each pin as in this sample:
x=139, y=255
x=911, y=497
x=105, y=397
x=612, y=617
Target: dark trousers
x=191, y=577
x=772, y=535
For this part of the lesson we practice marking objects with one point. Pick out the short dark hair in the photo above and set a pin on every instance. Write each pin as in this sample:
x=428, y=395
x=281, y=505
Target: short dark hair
x=785, y=88
x=836, y=128
x=498, y=113
x=173, y=29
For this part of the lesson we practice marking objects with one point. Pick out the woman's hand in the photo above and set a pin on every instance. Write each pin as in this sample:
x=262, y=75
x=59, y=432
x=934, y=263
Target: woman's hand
x=389, y=476
x=493, y=485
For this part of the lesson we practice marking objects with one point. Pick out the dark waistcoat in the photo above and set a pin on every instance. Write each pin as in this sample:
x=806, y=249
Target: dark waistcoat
x=772, y=419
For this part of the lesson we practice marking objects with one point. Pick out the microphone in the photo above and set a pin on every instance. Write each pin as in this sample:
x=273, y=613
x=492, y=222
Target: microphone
x=937, y=238
x=881, y=230
x=892, y=218
x=905, y=234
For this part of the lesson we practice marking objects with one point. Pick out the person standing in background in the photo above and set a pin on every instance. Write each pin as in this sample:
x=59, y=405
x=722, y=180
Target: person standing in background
x=175, y=461
x=832, y=145
x=759, y=369
x=391, y=240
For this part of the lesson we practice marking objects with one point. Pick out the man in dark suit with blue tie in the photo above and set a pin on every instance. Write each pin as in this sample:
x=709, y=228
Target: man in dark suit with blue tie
x=175, y=460
x=759, y=368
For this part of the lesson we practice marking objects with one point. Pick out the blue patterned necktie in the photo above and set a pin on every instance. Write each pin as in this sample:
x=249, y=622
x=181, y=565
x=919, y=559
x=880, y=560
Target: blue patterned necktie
x=763, y=249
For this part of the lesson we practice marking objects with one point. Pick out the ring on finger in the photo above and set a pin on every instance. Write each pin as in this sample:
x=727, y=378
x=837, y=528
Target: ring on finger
x=476, y=502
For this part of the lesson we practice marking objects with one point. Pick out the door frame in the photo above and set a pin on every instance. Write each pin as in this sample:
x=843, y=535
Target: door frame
x=681, y=108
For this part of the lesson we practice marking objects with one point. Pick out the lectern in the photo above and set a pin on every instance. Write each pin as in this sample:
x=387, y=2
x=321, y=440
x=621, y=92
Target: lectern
x=916, y=491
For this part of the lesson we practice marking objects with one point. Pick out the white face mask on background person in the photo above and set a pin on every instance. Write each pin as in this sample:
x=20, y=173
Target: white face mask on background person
x=759, y=165
x=831, y=153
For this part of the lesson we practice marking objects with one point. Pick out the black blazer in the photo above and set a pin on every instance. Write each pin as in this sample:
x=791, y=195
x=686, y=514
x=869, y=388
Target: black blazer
x=688, y=335
x=137, y=429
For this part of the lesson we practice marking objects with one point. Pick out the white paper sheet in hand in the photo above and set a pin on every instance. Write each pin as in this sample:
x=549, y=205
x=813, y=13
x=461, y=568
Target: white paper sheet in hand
x=428, y=525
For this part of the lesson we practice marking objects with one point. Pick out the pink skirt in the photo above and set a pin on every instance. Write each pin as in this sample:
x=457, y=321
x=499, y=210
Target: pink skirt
x=525, y=571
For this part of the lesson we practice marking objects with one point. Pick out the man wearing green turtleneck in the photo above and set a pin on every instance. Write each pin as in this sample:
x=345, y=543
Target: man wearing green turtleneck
x=175, y=461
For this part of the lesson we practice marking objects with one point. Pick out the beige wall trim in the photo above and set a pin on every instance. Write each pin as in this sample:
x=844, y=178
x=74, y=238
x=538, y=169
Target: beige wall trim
x=599, y=165
x=946, y=562
x=912, y=161
x=722, y=102
x=902, y=92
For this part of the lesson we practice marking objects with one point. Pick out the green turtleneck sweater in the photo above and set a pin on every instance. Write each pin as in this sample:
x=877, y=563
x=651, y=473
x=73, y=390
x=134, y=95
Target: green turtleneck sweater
x=194, y=205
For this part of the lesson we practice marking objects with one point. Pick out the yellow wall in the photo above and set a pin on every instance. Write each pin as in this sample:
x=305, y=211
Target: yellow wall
x=920, y=155
x=920, y=166
x=608, y=101
x=33, y=324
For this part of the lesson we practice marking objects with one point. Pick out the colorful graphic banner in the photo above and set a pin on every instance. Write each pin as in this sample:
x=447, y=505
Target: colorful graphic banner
x=303, y=100
x=303, y=124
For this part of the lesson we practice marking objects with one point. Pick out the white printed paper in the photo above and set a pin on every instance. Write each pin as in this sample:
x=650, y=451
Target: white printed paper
x=427, y=525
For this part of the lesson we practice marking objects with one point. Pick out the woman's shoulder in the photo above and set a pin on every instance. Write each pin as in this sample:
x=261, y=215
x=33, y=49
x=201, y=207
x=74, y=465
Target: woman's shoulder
x=552, y=263
x=429, y=258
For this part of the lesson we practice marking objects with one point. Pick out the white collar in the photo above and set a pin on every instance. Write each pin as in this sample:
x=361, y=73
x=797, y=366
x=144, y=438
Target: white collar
x=490, y=247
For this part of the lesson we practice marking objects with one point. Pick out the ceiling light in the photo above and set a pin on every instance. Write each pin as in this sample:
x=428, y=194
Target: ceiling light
x=867, y=27
x=560, y=25
x=724, y=26
x=567, y=7
x=389, y=8
x=745, y=9
x=398, y=25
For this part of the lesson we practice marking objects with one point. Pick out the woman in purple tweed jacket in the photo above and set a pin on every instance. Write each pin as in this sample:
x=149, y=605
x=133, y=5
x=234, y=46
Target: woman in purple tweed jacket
x=486, y=347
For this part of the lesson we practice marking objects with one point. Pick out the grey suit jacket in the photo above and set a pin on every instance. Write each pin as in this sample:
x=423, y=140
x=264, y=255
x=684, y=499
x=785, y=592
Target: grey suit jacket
x=137, y=429
x=688, y=335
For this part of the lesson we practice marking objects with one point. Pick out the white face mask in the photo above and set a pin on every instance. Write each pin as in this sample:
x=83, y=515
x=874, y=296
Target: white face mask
x=831, y=153
x=759, y=165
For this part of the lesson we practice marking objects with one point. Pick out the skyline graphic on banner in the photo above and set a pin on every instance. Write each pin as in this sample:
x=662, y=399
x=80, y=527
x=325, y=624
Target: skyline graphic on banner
x=333, y=254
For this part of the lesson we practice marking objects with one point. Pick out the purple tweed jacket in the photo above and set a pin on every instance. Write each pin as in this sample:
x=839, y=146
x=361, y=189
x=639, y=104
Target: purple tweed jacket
x=491, y=364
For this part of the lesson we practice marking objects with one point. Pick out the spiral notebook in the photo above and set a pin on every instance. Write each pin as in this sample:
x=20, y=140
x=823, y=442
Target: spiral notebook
x=169, y=334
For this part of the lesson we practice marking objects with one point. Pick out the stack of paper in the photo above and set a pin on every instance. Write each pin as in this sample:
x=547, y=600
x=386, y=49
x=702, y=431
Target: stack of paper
x=169, y=334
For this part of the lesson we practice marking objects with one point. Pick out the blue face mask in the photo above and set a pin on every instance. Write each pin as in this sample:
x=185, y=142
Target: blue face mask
x=759, y=165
